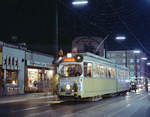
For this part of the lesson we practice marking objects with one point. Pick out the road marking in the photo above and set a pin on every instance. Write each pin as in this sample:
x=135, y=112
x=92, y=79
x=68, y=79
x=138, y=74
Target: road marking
x=54, y=102
x=32, y=108
x=127, y=106
x=22, y=100
x=39, y=114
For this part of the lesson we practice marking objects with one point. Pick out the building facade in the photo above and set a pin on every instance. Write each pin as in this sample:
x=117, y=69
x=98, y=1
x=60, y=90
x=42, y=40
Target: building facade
x=89, y=44
x=13, y=69
x=39, y=72
x=24, y=71
x=131, y=60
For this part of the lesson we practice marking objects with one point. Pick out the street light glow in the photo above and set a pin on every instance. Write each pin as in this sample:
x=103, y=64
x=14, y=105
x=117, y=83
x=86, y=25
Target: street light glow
x=144, y=58
x=80, y=2
x=148, y=63
x=120, y=37
x=136, y=51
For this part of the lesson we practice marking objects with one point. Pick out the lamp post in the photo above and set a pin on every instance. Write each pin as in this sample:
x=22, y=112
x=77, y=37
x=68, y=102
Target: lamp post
x=75, y=3
x=119, y=38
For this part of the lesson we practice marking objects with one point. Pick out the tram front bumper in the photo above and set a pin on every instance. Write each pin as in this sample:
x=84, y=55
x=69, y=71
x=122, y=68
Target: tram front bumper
x=69, y=94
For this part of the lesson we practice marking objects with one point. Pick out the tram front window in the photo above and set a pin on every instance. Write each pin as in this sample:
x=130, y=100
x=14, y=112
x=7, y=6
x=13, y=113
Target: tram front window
x=71, y=70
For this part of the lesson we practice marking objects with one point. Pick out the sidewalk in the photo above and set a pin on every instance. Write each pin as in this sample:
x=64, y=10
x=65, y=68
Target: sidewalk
x=27, y=97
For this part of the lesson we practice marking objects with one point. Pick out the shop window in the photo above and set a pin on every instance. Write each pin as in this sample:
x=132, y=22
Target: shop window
x=11, y=76
x=87, y=69
x=33, y=78
x=49, y=74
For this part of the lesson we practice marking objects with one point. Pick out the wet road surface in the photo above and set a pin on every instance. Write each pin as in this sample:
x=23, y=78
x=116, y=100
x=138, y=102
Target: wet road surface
x=130, y=105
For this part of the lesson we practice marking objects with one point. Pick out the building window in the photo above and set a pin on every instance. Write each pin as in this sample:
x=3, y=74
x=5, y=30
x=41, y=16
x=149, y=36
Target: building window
x=112, y=54
x=138, y=60
x=131, y=73
x=132, y=67
x=113, y=60
x=123, y=60
x=131, y=60
x=11, y=76
x=123, y=54
x=108, y=55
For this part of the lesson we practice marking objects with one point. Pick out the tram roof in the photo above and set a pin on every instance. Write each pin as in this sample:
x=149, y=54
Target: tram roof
x=91, y=55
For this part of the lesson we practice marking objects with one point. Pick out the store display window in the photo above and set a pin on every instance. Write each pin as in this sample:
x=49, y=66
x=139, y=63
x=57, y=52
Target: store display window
x=33, y=78
x=11, y=77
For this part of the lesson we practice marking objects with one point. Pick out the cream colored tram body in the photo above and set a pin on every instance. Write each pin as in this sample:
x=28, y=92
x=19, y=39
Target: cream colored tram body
x=86, y=75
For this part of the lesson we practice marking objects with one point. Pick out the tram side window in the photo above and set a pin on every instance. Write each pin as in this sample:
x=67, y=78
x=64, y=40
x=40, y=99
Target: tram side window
x=113, y=73
x=121, y=74
x=96, y=70
x=102, y=71
x=87, y=69
x=109, y=72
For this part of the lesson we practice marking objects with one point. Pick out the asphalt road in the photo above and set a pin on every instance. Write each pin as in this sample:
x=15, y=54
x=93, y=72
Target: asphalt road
x=130, y=105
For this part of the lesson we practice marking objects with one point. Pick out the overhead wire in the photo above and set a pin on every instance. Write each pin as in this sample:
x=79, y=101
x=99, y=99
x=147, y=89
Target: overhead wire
x=100, y=23
x=126, y=25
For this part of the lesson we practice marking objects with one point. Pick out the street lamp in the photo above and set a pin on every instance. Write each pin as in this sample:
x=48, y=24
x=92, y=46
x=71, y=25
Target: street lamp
x=120, y=38
x=75, y=3
x=148, y=64
x=117, y=38
x=136, y=51
x=144, y=58
x=80, y=2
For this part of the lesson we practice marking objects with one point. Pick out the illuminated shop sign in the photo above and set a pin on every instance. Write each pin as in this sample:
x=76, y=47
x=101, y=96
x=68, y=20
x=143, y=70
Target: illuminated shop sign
x=38, y=64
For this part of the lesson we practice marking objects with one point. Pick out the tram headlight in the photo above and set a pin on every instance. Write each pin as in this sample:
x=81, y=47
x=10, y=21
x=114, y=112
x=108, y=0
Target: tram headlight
x=68, y=87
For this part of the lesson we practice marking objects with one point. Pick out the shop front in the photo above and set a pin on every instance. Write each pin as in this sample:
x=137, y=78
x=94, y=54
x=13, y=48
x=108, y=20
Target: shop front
x=1, y=76
x=13, y=70
x=38, y=77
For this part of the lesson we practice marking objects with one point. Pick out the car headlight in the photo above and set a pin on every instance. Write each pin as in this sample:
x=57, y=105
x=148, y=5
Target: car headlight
x=68, y=87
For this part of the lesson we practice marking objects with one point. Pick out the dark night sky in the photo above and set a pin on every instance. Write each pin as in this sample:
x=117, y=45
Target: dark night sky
x=33, y=22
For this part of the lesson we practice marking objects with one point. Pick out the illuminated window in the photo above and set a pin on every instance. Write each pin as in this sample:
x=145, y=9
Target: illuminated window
x=88, y=69
x=71, y=70
x=138, y=60
x=131, y=60
x=113, y=74
x=123, y=61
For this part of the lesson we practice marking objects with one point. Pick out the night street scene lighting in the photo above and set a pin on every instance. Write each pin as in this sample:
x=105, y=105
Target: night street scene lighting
x=80, y=2
x=144, y=58
x=136, y=51
x=75, y=58
x=120, y=38
x=148, y=63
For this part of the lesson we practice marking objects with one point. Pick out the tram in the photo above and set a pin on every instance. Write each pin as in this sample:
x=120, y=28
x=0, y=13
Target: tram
x=87, y=76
